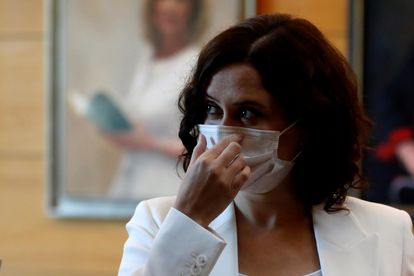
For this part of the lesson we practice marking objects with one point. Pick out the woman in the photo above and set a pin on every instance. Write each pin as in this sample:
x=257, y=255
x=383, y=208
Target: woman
x=280, y=132
x=172, y=28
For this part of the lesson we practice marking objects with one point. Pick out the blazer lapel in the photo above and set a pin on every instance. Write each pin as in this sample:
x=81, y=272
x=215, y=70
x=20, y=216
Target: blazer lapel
x=343, y=245
x=225, y=226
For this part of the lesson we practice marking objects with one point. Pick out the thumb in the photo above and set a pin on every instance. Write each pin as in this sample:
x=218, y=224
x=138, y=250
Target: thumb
x=199, y=149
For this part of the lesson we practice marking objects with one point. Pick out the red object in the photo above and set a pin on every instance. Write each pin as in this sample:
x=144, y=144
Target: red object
x=386, y=151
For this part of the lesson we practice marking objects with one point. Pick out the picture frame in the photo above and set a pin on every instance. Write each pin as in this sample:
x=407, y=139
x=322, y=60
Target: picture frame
x=91, y=47
x=381, y=43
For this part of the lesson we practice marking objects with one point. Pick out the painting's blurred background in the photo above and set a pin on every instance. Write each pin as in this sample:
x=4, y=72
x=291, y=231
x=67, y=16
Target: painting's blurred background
x=30, y=242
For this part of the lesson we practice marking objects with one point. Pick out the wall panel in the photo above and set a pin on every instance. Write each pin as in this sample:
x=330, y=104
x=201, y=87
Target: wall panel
x=21, y=97
x=329, y=16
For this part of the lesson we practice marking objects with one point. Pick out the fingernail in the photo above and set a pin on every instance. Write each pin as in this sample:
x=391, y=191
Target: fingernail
x=199, y=138
x=212, y=141
x=238, y=137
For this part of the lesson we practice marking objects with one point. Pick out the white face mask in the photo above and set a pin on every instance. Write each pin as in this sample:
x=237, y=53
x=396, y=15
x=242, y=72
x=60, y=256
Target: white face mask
x=259, y=149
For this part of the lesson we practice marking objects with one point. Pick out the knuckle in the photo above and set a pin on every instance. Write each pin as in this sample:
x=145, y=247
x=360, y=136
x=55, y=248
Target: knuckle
x=215, y=171
x=203, y=162
x=217, y=175
x=240, y=162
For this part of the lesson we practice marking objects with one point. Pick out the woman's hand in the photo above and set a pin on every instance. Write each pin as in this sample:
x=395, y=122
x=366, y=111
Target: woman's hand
x=213, y=179
x=138, y=138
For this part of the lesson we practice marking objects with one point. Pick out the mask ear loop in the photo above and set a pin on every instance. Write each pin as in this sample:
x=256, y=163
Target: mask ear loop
x=289, y=127
x=286, y=129
x=296, y=156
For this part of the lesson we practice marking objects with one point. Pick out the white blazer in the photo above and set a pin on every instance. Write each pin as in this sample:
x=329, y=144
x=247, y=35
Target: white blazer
x=370, y=239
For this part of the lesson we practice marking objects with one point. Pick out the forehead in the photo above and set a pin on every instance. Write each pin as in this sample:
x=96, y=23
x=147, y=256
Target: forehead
x=238, y=81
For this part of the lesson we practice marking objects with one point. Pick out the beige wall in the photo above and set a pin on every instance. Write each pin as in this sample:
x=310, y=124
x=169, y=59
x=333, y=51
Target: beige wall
x=31, y=243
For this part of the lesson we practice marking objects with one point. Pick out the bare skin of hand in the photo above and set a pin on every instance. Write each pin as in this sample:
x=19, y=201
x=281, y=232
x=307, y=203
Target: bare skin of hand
x=141, y=139
x=213, y=179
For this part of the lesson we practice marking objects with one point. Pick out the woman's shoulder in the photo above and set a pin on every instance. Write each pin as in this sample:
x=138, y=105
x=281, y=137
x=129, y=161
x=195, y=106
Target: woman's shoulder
x=370, y=213
x=360, y=205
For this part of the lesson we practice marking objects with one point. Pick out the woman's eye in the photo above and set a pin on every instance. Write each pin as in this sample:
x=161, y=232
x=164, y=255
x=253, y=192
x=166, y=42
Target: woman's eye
x=247, y=114
x=213, y=110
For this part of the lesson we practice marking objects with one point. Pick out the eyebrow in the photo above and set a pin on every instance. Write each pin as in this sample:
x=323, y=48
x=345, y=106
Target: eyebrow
x=252, y=104
x=242, y=103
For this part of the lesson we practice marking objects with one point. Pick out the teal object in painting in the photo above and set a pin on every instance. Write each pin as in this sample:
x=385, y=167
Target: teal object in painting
x=103, y=111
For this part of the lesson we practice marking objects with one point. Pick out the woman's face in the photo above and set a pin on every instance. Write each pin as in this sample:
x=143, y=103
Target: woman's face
x=171, y=16
x=236, y=97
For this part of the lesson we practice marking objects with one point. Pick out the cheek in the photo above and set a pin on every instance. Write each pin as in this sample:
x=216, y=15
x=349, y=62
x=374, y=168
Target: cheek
x=184, y=8
x=183, y=16
x=209, y=121
x=274, y=124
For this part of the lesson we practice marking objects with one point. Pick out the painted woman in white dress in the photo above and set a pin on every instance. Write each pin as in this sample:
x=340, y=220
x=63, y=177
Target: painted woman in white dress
x=148, y=167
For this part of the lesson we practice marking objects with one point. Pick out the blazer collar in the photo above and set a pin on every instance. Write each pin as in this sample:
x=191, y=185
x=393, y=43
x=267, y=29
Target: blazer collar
x=344, y=247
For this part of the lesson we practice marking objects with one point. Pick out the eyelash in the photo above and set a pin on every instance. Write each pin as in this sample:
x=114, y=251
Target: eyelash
x=244, y=113
x=254, y=113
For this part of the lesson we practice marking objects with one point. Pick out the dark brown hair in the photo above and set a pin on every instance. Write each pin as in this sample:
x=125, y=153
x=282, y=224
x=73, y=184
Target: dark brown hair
x=311, y=80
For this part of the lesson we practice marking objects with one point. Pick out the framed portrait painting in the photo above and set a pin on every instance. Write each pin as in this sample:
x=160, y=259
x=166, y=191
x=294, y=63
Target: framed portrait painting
x=114, y=73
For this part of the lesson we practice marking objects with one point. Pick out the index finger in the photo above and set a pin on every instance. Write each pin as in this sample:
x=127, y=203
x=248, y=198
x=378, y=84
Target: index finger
x=199, y=149
x=218, y=148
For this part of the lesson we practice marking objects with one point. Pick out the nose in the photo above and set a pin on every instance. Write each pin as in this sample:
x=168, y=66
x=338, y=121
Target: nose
x=229, y=121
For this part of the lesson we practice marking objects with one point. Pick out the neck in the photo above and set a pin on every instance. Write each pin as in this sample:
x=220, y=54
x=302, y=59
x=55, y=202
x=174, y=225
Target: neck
x=268, y=211
x=169, y=46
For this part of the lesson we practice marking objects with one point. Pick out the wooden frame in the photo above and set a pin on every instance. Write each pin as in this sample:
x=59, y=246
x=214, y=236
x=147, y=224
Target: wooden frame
x=77, y=54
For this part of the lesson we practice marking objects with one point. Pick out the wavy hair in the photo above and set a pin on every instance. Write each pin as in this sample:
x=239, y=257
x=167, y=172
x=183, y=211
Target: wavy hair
x=311, y=80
